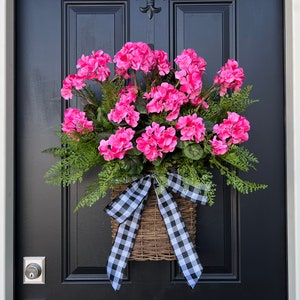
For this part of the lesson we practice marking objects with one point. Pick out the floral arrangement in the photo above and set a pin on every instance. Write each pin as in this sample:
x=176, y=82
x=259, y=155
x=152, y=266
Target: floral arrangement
x=152, y=118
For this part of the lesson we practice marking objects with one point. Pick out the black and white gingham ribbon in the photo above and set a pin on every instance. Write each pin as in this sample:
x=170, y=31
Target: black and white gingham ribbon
x=127, y=208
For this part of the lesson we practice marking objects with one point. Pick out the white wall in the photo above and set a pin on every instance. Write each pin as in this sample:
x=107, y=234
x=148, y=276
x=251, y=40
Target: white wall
x=292, y=12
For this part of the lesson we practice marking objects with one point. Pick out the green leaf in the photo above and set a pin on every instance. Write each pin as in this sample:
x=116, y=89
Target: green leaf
x=157, y=162
x=193, y=151
x=180, y=144
x=140, y=105
x=208, y=125
x=133, y=164
x=134, y=151
x=91, y=111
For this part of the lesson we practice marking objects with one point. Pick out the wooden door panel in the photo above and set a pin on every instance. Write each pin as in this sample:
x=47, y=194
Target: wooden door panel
x=208, y=28
x=86, y=237
x=87, y=25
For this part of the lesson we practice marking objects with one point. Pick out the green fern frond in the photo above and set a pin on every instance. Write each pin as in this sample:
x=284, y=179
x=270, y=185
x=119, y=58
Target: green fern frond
x=206, y=179
x=56, y=151
x=187, y=171
x=110, y=96
x=91, y=195
x=161, y=173
x=194, y=174
x=237, y=102
x=240, y=158
x=243, y=186
x=76, y=158
x=112, y=174
x=234, y=102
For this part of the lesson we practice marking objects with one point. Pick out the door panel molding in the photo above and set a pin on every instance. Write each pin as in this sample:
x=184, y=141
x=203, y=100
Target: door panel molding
x=85, y=26
x=189, y=21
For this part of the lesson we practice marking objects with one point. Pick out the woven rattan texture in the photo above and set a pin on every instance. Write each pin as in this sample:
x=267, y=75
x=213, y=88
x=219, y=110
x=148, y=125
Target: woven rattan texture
x=152, y=241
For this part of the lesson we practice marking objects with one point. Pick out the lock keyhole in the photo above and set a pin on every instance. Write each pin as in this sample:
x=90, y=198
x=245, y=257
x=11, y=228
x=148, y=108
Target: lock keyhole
x=33, y=271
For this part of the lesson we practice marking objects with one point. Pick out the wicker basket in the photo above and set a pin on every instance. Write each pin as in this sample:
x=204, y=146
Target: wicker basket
x=152, y=241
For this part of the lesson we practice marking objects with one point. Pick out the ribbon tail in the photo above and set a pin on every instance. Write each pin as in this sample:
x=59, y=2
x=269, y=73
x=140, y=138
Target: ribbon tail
x=181, y=242
x=122, y=247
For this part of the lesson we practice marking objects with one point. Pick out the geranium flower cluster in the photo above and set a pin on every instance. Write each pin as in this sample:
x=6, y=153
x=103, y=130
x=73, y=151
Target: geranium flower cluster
x=157, y=140
x=91, y=67
x=230, y=77
x=117, y=145
x=124, y=110
x=165, y=98
x=190, y=76
x=233, y=130
x=191, y=128
x=76, y=122
x=139, y=57
x=168, y=103
x=150, y=117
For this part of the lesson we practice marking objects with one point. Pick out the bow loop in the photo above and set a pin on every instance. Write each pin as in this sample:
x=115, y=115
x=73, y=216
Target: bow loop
x=123, y=206
x=189, y=192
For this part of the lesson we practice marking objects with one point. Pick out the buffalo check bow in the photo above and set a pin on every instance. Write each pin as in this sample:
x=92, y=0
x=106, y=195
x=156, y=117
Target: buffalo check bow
x=127, y=208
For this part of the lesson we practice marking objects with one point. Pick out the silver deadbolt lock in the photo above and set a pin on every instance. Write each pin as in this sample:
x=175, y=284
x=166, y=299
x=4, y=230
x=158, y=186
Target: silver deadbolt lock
x=33, y=271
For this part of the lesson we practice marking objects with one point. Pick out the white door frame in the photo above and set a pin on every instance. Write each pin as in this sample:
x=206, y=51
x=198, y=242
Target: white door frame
x=292, y=80
x=6, y=149
x=292, y=61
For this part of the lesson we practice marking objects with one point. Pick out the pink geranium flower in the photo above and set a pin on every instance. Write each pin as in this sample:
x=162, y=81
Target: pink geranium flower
x=75, y=122
x=70, y=82
x=66, y=93
x=219, y=147
x=128, y=94
x=165, y=98
x=89, y=67
x=94, y=66
x=189, y=61
x=123, y=110
x=136, y=56
x=190, y=76
x=230, y=76
x=191, y=128
x=157, y=140
x=117, y=145
x=234, y=129
x=162, y=62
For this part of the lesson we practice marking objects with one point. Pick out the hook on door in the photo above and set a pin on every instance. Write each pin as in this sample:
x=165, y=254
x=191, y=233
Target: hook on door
x=150, y=8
